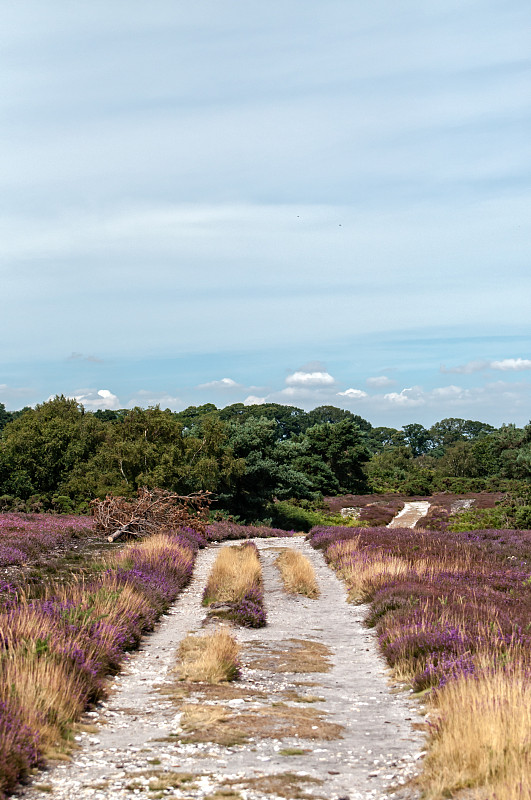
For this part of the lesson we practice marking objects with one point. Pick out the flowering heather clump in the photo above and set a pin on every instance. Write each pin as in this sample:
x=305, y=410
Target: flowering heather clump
x=18, y=747
x=221, y=531
x=24, y=537
x=453, y=614
x=56, y=650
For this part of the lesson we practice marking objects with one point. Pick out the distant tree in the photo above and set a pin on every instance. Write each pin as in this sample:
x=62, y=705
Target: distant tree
x=192, y=415
x=389, y=468
x=44, y=444
x=453, y=429
x=334, y=457
x=418, y=438
x=270, y=469
x=384, y=438
x=331, y=414
x=289, y=420
x=458, y=461
x=5, y=416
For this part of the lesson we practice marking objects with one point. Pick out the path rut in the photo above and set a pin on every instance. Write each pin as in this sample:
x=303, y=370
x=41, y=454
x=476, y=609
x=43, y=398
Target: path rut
x=138, y=726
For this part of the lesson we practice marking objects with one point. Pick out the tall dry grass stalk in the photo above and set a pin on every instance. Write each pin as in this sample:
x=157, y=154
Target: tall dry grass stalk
x=213, y=658
x=297, y=573
x=235, y=571
x=481, y=737
x=367, y=571
x=49, y=696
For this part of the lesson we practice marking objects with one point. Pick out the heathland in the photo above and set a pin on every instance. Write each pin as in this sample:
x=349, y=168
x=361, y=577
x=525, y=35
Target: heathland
x=447, y=604
x=449, y=611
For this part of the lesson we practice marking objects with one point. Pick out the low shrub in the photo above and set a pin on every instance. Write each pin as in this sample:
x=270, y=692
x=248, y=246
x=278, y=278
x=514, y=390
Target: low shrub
x=226, y=530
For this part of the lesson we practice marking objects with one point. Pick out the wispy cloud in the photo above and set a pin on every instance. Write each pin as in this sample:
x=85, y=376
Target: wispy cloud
x=503, y=365
x=222, y=383
x=511, y=364
x=145, y=398
x=380, y=382
x=81, y=357
x=253, y=400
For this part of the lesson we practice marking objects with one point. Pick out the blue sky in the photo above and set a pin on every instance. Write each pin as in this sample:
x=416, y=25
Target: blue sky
x=298, y=201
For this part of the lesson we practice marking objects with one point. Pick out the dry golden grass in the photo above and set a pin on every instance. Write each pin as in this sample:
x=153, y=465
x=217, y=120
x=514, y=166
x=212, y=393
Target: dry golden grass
x=153, y=548
x=364, y=576
x=32, y=669
x=212, y=658
x=482, y=738
x=236, y=569
x=297, y=573
x=48, y=694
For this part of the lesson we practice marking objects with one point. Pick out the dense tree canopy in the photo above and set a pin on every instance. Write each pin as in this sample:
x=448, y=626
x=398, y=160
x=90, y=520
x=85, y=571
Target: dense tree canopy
x=57, y=455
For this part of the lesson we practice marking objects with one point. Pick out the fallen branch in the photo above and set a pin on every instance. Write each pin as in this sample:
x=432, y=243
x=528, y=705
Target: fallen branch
x=152, y=511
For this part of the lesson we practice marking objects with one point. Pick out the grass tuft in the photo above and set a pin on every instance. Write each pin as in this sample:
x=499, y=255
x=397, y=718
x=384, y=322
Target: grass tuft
x=213, y=658
x=297, y=573
x=234, y=588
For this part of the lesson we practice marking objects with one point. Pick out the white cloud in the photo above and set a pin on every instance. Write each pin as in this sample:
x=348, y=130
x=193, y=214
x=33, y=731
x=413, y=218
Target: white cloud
x=94, y=399
x=516, y=364
x=380, y=382
x=413, y=396
x=252, y=400
x=354, y=394
x=300, y=378
x=223, y=383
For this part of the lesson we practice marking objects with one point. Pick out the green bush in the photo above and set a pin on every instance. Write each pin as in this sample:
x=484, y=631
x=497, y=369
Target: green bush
x=522, y=517
x=474, y=519
x=289, y=516
x=62, y=504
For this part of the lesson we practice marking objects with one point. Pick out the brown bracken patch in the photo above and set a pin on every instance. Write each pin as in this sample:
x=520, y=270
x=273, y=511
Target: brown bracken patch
x=291, y=655
x=283, y=784
x=159, y=780
x=208, y=723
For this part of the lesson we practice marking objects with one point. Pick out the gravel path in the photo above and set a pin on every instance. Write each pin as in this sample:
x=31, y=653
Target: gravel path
x=410, y=514
x=137, y=737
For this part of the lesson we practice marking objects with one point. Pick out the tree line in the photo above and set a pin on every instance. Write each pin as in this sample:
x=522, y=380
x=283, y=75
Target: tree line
x=60, y=456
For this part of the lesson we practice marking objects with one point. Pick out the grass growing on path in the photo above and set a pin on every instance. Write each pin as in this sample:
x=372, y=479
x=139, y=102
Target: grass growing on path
x=298, y=575
x=234, y=588
x=213, y=658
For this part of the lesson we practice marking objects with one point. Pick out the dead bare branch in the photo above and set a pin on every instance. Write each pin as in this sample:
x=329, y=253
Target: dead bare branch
x=152, y=511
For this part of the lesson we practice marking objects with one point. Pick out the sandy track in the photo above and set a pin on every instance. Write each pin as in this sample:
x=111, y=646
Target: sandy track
x=378, y=746
x=410, y=514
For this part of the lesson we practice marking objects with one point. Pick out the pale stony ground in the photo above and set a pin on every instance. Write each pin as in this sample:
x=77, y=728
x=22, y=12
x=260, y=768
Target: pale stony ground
x=410, y=514
x=379, y=746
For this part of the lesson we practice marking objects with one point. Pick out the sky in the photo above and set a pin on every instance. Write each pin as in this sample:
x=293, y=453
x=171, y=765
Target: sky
x=295, y=201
